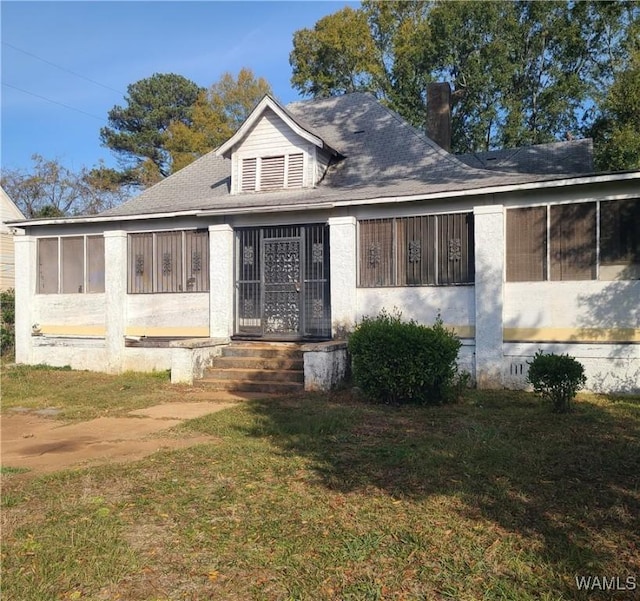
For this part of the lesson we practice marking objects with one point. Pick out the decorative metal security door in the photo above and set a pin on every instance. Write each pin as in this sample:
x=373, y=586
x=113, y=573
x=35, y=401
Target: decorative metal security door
x=282, y=282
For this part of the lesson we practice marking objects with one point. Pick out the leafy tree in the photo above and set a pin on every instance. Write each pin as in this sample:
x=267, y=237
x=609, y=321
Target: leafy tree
x=137, y=132
x=335, y=57
x=216, y=115
x=523, y=72
x=51, y=190
x=617, y=129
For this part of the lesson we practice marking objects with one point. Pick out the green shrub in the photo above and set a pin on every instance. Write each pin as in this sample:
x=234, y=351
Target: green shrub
x=7, y=320
x=396, y=361
x=556, y=378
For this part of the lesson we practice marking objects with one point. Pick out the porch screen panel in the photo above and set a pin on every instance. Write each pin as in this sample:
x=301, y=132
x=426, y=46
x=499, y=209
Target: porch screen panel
x=527, y=244
x=95, y=264
x=573, y=241
x=72, y=265
x=248, y=297
x=272, y=173
x=197, y=261
x=47, y=266
x=168, y=262
x=620, y=232
x=416, y=251
x=455, y=248
x=376, y=253
x=140, y=263
x=317, y=305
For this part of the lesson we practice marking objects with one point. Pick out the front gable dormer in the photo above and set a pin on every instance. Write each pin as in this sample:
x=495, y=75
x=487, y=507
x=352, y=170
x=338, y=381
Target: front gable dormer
x=272, y=151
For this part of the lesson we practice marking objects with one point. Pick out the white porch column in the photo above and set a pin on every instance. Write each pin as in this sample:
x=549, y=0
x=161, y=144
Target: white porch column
x=342, y=249
x=489, y=289
x=115, y=286
x=26, y=264
x=221, y=281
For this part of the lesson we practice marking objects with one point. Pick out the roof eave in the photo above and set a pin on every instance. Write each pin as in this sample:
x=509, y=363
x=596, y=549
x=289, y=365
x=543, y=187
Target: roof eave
x=329, y=204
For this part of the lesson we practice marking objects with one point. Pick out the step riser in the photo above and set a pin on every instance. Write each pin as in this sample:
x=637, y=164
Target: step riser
x=266, y=375
x=245, y=386
x=256, y=363
x=257, y=367
x=262, y=353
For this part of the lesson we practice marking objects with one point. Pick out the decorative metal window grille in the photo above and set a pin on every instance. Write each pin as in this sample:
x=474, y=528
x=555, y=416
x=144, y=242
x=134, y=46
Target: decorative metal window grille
x=455, y=249
x=139, y=264
x=317, y=308
x=248, y=255
x=248, y=308
x=415, y=251
x=374, y=254
x=166, y=263
x=317, y=252
x=196, y=262
x=176, y=261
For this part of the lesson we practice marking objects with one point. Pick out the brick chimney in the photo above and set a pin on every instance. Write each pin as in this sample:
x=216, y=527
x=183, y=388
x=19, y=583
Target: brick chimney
x=439, y=114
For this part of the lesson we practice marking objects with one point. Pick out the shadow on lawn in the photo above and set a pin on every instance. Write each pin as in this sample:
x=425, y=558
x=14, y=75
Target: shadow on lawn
x=572, y=482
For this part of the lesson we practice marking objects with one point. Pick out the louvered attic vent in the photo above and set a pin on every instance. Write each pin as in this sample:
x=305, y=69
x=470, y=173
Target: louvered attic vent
x=272, y=173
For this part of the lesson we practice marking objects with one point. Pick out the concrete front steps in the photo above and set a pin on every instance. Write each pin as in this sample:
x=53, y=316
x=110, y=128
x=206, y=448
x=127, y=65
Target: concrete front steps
x=258, y=367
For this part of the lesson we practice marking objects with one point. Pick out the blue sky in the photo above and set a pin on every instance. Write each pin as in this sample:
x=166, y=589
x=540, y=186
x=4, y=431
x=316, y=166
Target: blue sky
x=84, y=55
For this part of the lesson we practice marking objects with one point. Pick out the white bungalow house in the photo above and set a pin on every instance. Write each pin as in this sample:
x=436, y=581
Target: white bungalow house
x=8, y=212
x=318, y=213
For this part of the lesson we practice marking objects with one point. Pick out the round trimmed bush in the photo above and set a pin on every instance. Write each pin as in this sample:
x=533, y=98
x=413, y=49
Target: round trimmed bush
x=396, y=361
x=556, y=378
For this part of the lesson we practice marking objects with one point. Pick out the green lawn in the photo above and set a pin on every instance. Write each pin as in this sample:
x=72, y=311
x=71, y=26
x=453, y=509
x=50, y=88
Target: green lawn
x=327, y=497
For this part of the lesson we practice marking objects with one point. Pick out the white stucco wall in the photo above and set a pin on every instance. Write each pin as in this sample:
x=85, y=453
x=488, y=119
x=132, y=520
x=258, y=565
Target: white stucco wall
x=342, y=250
x=25, y=255
x=489, y=281
x=572, y=310
x=178, y=314
x=222, y=282
x=454, y=304
x=77, y=352
x=69, y=314
x=596, y=322
x=608, y=367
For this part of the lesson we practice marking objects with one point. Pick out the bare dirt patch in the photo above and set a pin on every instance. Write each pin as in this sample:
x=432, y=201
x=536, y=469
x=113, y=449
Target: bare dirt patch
x=43, y=445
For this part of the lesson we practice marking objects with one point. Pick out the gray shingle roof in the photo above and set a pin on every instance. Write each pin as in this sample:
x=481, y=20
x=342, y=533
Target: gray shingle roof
x=562, y=158
x=384, y=156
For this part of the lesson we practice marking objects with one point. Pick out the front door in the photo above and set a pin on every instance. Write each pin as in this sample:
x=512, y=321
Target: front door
x=282, y=282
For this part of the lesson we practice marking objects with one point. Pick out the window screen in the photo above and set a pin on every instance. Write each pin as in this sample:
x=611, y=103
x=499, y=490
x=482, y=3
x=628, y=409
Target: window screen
x=573, y=241
x=416, y=238
x=197, y=261
x=95, y=264
x=47, y=266
x=168, y=262
x=417, y=251
x=72, y=265
x=620, y=232
x=140, y=263
x=455, y=248
x=527, y=244
x=376, y=253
